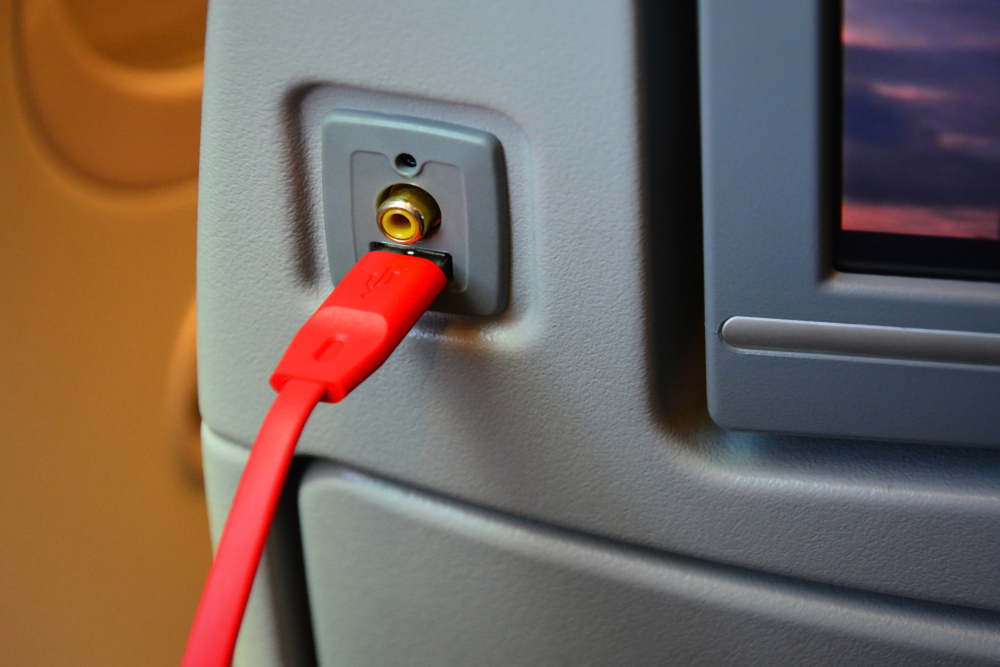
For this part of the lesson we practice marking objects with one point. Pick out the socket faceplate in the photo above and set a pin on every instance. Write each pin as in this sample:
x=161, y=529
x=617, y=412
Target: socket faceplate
x=462, y=168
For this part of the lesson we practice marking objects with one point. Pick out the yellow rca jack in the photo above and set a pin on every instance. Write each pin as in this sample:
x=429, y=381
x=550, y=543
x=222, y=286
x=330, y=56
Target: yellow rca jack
x=407, y=213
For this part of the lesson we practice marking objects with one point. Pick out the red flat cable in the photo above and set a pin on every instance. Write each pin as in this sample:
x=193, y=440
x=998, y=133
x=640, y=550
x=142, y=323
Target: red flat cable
x=351, y=334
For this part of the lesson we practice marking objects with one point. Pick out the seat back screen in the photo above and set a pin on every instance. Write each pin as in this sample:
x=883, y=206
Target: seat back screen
x=921, y=138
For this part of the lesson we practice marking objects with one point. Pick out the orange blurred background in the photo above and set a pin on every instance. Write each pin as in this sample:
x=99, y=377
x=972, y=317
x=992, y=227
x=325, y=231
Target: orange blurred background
x=103, y=532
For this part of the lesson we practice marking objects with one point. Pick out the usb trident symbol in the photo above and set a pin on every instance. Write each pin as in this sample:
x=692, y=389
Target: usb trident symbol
x=378, y=279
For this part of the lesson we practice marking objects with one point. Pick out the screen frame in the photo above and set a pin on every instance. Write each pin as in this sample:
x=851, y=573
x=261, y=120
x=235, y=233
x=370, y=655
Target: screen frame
x=772, y=169
x=916, y=255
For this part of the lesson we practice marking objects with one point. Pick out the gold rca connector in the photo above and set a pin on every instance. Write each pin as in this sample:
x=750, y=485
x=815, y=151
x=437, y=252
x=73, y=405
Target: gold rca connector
x=407, y=213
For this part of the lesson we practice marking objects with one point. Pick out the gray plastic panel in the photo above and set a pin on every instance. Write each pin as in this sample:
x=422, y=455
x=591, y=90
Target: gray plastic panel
x=432, y=583
x=547, y=411
x=878, y=399
x=462, y=168
x=769, y=214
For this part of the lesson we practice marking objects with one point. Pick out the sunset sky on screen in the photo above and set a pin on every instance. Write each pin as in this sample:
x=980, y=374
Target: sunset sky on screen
x=922, y=115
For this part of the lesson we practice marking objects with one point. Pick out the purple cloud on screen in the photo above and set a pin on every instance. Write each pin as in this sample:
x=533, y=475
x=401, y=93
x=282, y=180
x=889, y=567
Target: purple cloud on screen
x=922, y=116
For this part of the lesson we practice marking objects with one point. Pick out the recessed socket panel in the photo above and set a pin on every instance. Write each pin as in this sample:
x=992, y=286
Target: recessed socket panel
x=365, y=154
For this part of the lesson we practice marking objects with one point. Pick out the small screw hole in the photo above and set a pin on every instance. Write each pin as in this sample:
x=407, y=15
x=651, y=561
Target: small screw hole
x=405, y=162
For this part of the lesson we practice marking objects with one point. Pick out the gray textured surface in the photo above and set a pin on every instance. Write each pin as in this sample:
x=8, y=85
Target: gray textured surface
x=768, y=254
x=400, y=578
x=547, y=412
x=463, y=169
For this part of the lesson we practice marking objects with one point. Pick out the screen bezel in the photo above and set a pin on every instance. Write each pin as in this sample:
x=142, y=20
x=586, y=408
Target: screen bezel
x=771, y=145
x=912, y=255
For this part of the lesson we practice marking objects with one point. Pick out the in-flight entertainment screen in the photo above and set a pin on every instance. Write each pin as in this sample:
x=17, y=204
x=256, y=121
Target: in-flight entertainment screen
x=921, y=138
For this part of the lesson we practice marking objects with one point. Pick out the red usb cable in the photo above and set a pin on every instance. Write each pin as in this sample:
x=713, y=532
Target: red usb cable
x=346, y=340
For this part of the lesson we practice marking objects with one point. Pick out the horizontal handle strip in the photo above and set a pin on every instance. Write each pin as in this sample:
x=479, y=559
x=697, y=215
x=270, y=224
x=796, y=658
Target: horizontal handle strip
x=860, y=340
